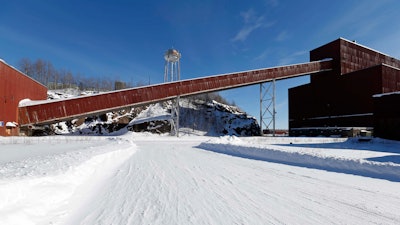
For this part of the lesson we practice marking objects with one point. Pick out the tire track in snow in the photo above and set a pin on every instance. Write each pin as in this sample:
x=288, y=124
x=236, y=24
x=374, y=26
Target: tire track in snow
x=173, y=182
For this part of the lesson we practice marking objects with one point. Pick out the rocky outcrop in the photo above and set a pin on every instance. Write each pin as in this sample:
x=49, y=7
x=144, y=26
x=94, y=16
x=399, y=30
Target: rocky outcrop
x=211, y=117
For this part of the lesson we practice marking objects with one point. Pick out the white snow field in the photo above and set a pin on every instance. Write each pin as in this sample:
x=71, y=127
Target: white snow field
x=152, y=179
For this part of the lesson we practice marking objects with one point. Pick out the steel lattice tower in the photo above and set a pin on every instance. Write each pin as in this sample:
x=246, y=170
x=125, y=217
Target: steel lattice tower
x=267, y=107
x=172, y=73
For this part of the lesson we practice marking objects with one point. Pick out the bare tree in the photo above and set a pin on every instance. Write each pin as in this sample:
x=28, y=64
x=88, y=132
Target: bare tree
x=49, y=71
x=56, y=79
x=40, y=70
x=25, y=66
x=45, y=73
x=68, y=79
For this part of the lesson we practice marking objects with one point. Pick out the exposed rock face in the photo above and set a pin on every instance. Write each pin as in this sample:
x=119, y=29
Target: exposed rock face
x=217, y=119
x=211, y=117
x=157, y=126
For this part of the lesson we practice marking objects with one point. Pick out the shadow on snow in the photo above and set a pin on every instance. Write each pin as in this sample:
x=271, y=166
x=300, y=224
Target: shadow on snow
x=373, y=167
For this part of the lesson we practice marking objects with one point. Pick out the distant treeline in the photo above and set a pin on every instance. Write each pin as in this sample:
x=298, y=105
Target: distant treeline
x=53, y=78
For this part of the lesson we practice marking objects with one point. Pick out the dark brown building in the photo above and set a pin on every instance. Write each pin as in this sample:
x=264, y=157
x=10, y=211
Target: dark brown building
x=387, y=115
x=14, y=87
x=343, y=97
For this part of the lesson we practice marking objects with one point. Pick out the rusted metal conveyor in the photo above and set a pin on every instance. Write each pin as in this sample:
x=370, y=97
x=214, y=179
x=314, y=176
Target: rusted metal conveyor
x=61, y=110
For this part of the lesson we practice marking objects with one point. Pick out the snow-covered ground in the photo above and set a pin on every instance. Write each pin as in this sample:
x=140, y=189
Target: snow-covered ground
x=141, y=178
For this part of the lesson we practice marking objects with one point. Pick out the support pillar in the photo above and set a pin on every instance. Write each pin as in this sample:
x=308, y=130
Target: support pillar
x=267, y=107
x=172, y=73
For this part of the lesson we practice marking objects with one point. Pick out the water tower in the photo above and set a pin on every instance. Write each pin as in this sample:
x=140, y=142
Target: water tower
x=172, y=65
x=171, y=74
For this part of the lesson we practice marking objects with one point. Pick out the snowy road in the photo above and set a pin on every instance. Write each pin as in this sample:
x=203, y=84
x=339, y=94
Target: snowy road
x=168, y=180
x=173, y=182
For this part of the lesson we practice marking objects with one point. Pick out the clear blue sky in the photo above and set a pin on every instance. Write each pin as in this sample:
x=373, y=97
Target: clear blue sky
x=127, y=39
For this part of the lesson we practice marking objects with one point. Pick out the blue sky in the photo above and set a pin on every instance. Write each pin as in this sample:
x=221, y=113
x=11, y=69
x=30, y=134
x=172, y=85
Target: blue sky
x=126, y=40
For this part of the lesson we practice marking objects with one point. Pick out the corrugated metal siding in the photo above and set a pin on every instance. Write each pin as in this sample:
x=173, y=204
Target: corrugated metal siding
x=390, y=79
x=15, y=86
x=356, y=57
x=349, y=56
x=359, y=73
x=70, y=108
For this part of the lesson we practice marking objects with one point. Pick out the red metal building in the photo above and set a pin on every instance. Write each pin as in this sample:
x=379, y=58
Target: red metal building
x=14, y=87
x=343, y=97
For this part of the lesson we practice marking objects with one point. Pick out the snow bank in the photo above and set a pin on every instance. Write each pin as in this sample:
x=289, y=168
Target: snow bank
x=152, y=112
x=45, y=187
x=11, y=124
x=326, y=159
x=385, y=94
x=28, y=141
x=28, y=102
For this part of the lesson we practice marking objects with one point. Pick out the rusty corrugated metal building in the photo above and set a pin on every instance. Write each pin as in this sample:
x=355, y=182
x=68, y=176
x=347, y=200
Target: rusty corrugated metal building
x=14, y=87
x=340, y=93
x=343, y=97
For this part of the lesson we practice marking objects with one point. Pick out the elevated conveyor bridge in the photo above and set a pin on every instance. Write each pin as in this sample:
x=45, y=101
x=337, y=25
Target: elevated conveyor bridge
x=49, y=112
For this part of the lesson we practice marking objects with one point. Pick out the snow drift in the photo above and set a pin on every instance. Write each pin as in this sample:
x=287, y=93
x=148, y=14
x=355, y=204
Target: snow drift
x=312, y=159
x=38, y=187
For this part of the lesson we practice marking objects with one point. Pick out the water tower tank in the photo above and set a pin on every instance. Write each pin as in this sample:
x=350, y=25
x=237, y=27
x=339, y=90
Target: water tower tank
x=172, y=55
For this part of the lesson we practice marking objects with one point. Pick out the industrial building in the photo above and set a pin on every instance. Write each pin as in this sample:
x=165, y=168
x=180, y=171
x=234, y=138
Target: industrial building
x=14, y=87
x=352, y=88
x=343, y=99
x=387, y=115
